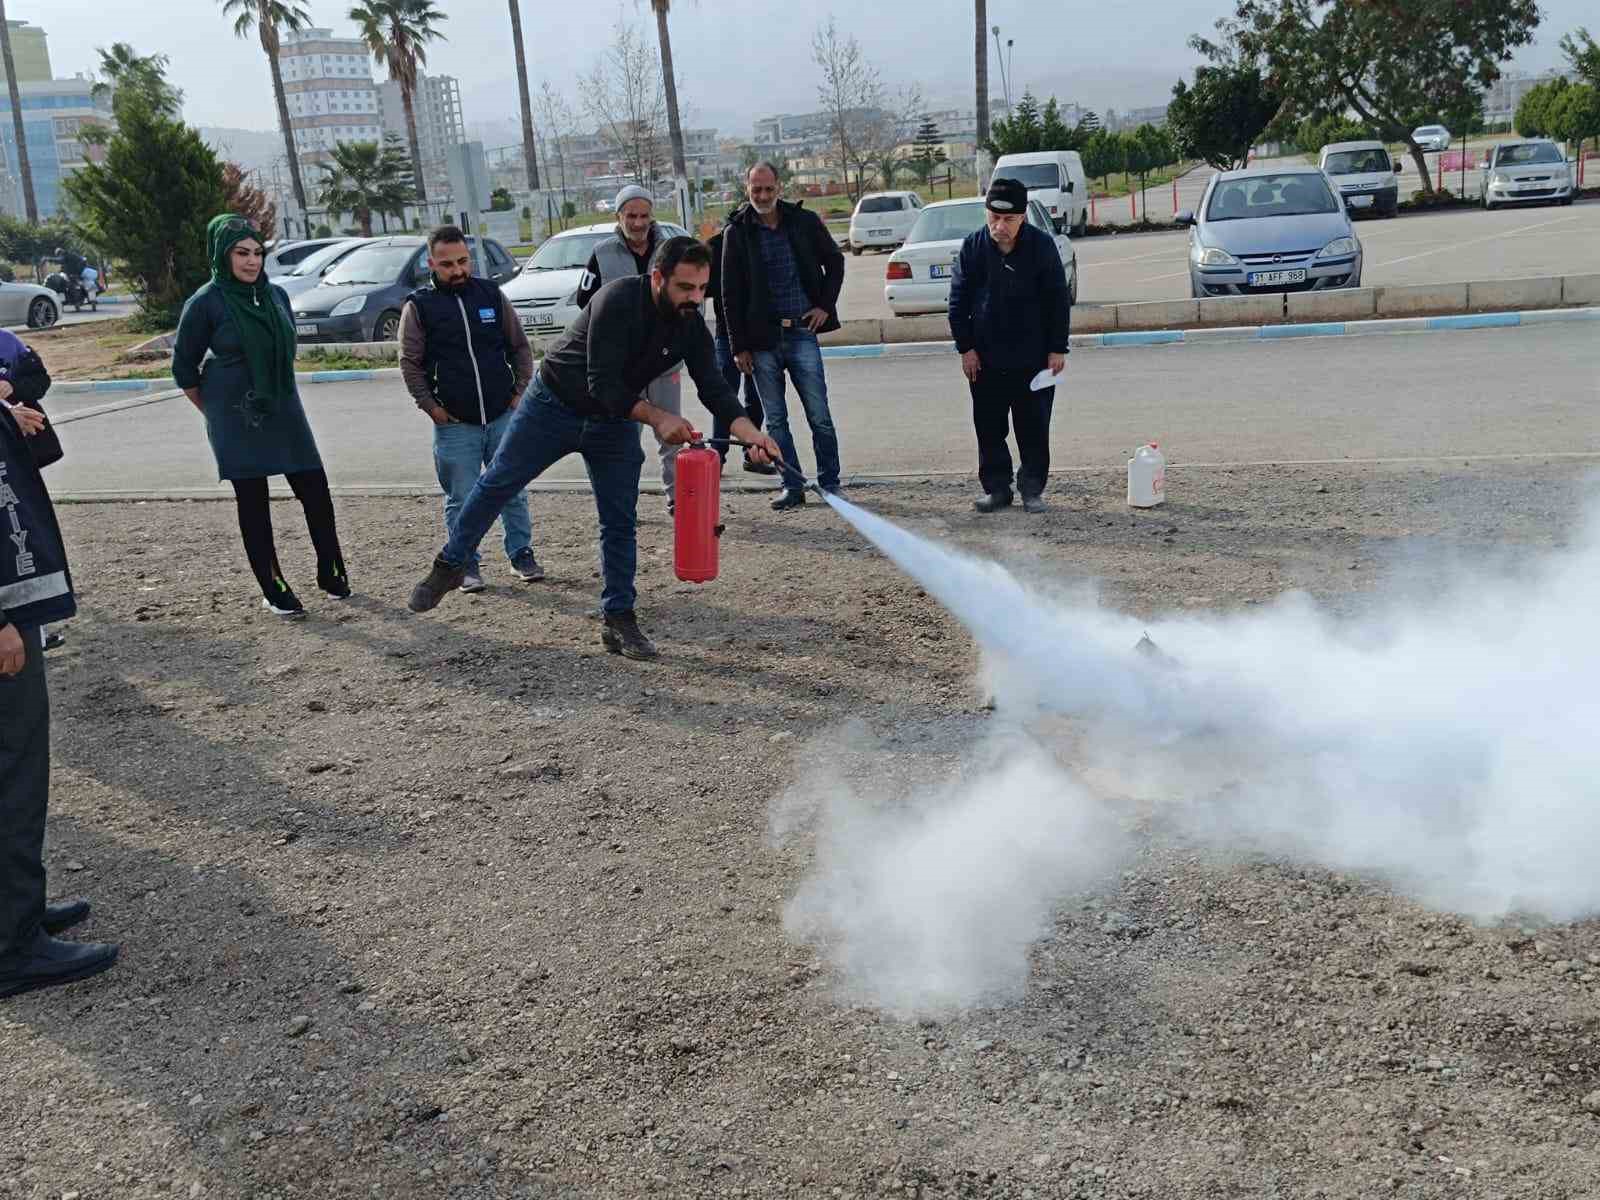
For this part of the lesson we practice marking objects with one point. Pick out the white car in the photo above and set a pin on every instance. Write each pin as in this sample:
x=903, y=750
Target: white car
x=1520, y=172
x=28, y=304
x=918, y=274
x=1431, y=137
x=882, y=220
x=283, y=257
x=545, y=291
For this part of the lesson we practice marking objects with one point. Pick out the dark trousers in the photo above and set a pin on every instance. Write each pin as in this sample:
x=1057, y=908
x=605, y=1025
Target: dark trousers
x=24, y=796
x=735, y=379
x=1002, y=401
x=255, y=526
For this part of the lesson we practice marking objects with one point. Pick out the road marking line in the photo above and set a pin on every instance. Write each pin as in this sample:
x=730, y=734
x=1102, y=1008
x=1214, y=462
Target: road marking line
x=1475, y=241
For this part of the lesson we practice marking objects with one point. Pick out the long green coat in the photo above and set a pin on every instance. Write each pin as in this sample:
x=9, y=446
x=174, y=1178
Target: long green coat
x=247, y=443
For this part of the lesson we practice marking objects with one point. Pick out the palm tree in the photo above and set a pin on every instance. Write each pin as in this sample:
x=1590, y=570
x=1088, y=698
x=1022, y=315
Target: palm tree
x=365, y=178
x=530, y=152
x=24, y=169
x=267, y=17
x=397, y=32
x=680, y=169
x=123, y=66
x=981, y=61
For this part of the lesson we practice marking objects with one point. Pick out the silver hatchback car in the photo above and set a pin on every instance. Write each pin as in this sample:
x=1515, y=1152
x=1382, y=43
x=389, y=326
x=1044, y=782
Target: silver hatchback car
x=1271, y=229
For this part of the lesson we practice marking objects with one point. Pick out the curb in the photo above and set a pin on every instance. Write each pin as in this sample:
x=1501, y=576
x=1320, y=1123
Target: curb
x=1078, y=341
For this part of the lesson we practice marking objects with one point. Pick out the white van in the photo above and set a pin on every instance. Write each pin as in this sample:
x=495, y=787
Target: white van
x=883, y=219
x=1055, y=179
x=1367, y=178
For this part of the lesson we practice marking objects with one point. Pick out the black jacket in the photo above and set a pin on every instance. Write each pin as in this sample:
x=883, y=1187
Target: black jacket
x=1013, y=309
x=746, y=300
x=35, y=584
x=467, y=357
x=604, y=361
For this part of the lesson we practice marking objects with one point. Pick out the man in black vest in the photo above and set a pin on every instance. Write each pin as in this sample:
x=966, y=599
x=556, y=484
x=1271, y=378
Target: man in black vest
x=466, y=361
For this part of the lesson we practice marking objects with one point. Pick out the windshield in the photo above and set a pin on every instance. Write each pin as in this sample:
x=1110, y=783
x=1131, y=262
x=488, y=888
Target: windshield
x=1357, y=162
x=1269, y=196
x=328, y=254
x=372, y=264
x=1533, y=152
x=565, y=253
x=872, y=204
x=950, y=223
x=1034, y=175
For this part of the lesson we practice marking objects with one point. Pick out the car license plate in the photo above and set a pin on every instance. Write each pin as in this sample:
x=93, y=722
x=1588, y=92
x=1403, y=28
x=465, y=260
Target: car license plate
x=1359, y=201
x=533, y=320
x=939, y=271
x=305, y=327
x=880, y=233
x=1268, y=278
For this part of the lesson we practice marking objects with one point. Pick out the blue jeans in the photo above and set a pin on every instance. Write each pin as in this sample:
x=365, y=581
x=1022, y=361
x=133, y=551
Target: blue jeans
x=736, y=378
x=460, y=451
x=798, y=353
x=543, y=431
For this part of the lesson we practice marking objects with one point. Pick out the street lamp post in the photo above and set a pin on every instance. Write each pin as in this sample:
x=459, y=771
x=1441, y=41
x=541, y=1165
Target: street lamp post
x=1005, y=80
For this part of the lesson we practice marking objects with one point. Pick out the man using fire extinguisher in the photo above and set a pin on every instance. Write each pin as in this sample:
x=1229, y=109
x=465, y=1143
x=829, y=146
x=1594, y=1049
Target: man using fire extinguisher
x=586, y=399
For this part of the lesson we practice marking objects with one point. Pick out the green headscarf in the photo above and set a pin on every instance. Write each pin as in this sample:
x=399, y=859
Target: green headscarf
x=264, y=329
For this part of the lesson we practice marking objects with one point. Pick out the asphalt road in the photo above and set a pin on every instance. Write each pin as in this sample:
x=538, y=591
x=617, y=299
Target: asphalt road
x=68, y=317
x=1532, y=390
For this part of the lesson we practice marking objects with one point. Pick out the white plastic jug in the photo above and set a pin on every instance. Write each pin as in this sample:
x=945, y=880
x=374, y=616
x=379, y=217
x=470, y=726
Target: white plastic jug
x=1147, y=477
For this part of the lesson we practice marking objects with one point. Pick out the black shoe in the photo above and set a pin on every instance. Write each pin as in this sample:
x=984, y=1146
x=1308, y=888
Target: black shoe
x=621, y=635
x=54, y=640
x=284, y=603
x=836, y=490
x=49, y=961
x=993, y=502
x=333, y=580
x=58, y=917
x=441, y=580
x=789, y=498
x=756, y=468
x=1034, y=504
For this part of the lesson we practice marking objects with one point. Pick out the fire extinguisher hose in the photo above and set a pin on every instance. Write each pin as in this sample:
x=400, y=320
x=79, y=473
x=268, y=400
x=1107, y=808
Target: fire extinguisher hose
x=788, y=471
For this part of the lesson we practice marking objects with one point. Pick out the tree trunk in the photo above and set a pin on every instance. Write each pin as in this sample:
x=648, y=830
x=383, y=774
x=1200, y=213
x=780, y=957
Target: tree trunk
x=411, y=136
x=680, y=169
x=1422, y=165
x=530, y=152
x=980, y=11
x=24, y=168
x=270, y=44
x=364, y=215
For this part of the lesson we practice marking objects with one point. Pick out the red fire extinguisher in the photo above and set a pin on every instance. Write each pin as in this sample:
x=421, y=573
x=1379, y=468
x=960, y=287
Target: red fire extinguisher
x=697, y=503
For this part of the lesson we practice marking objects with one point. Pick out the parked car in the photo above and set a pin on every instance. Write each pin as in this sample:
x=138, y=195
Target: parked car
x=1055, y=179
x=283, y=256
x=308, y=272
x=1431, y=137
x=1519, y=172
x=917, y=278
x=1367, y=178
x=545, y=291
x=1270, y=229
x=28, y=304
x=360, y=299
x=882, y=220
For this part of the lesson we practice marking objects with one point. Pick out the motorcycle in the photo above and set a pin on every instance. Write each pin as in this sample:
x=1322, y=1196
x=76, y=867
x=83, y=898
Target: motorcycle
x=72, y=291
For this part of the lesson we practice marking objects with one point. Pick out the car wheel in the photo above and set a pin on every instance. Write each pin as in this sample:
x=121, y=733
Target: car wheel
x=387, y=328
x=1083, y=225
x=42, y=314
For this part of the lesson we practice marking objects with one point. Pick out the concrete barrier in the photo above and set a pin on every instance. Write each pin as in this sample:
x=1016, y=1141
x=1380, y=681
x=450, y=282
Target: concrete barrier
x=1419, y=299
x=916, y=329
x=1580, y=290
x=1155, y=314
x=1501, y=295
x=1343, y=304
x=1242, y=310
x=858, y=333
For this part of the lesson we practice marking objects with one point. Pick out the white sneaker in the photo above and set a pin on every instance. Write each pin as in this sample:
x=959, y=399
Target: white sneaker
x=471, y=581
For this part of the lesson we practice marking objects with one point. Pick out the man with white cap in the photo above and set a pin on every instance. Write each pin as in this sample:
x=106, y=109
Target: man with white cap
x=622, y=256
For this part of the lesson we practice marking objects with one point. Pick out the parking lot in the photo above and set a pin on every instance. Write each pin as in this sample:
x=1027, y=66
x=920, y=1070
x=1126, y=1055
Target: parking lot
x=1439, y=247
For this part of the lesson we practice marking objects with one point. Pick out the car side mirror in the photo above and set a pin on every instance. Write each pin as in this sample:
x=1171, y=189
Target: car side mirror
x=1071, y=186
x=1398, y=166
x=1183, y=217
x=1484, y=165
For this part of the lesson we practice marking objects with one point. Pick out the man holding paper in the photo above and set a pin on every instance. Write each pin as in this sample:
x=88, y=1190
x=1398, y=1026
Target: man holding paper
x=1010, y=312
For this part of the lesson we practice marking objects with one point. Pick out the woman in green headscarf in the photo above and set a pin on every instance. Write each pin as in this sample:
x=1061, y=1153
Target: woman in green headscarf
x=254, y=419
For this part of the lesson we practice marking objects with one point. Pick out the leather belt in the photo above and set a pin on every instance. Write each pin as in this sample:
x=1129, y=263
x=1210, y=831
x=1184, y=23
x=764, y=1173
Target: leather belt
x=789, y=322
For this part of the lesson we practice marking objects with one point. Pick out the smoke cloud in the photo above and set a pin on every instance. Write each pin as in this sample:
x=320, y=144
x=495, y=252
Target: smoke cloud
x=1444, y=743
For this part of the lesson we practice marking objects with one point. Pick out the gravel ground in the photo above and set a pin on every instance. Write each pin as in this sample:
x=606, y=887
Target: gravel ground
x=460, y=906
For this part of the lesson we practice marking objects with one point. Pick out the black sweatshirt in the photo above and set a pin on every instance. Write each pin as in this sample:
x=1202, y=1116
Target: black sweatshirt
x=620, y=343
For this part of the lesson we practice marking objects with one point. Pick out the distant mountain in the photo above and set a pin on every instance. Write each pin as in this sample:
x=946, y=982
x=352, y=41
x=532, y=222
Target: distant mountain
x=251, y=148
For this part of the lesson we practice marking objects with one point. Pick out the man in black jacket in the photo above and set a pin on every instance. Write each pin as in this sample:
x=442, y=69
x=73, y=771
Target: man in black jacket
x=465, y=360
x=587, y=398
x=730, y=370
x=35, y=588
x=781, y=275
x=1010, y=312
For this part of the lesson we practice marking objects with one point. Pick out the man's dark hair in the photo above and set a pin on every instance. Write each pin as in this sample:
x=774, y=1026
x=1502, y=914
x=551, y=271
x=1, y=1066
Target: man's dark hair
x=678, y=250
x=445, y=233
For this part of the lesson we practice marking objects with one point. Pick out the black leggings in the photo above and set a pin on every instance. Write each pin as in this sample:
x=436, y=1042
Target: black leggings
x=255, y=524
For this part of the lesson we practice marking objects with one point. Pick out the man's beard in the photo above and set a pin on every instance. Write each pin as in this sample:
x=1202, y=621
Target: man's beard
x=453, y=285
x=763, y=209
x=674, y=312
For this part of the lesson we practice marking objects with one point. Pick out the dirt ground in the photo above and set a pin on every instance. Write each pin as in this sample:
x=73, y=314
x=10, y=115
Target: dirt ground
x=460, y=906
x=91, y=350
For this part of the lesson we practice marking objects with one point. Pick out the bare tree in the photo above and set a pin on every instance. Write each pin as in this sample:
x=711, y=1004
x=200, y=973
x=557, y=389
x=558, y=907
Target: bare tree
x=892, y=127
x=624, y=96
x=560, y=124
x=530, y=156
x=851, y=94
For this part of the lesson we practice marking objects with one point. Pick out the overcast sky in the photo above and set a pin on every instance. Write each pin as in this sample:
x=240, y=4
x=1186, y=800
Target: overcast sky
x=738, y=59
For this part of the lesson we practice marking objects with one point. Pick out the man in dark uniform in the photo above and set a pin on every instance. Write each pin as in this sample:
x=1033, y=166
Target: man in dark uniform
x=1010, y=313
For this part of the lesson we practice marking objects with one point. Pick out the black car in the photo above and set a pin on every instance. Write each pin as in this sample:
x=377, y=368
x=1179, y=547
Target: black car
x=360, y=299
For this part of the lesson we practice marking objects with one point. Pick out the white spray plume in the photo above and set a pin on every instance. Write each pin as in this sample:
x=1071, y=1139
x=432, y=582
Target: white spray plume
x=1450, y=747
